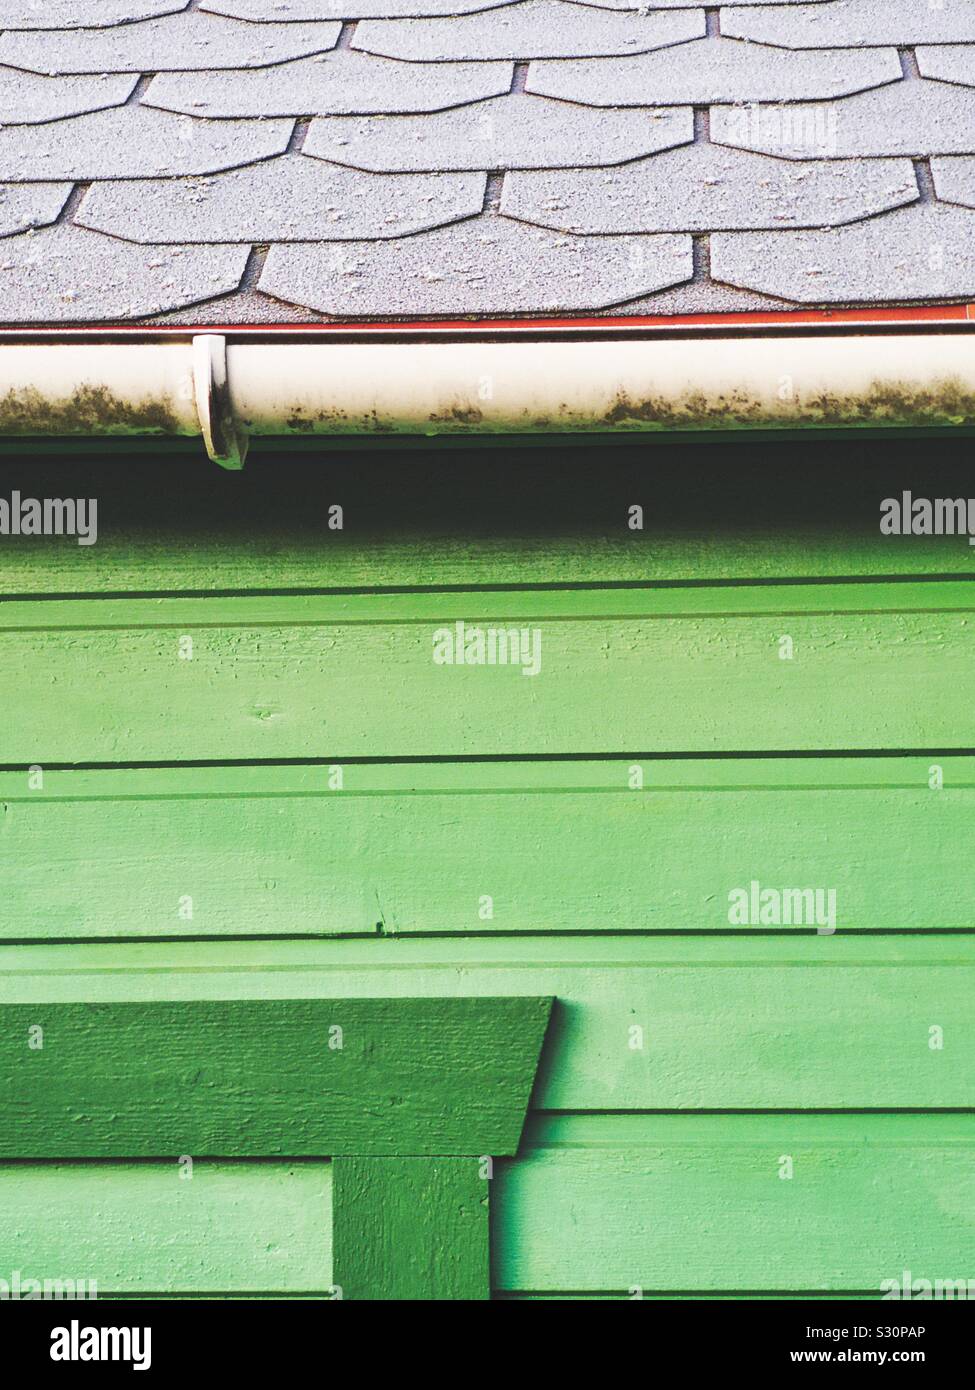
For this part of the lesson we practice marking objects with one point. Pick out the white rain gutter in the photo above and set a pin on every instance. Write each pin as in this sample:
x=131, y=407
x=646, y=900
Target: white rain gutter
x=229, y=388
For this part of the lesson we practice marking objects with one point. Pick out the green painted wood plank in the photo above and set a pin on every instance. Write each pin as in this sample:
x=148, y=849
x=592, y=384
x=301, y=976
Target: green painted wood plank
x=66, y=964
x=678, y=678
x=146, y=1228
x=410, y=1228
x=455, y=516
x=259, y=1078
x=545, y=776
x=695, y=1203
x=555, y=846
x=662, y=1203
x=558, y=604
x=560, y=1297
x=261, y=559
x=727, y=1022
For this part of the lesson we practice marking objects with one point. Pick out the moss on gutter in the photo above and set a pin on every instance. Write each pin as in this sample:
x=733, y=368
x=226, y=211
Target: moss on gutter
x=886, y=404
x=96, y=412
x=89, y=410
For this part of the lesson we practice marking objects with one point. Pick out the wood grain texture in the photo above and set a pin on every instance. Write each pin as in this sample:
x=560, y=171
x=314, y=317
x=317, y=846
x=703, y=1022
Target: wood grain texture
x=664, y=1203
x=135, y=561
x=778, y=1023
x=410, y=1228
x=559, y=847
x=143, y=1229
x=874, y=666
x=256, y=1078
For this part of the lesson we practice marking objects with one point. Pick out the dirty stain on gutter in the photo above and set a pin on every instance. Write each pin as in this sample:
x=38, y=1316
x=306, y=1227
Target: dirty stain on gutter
x=226, y=390
x=89, y=410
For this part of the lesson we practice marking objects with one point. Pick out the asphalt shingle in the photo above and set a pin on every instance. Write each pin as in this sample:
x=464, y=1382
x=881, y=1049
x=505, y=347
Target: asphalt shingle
x=917, y=253
x=530, y=29
x=714, y=69
x=82, y=14
x=415, y=158
x=702, y=188
x=954, y=179
x=178, y=43
x=482, y=266
x=918, y=118
x=677, y=4
x=26, y=98
x=292, y=198
x=64, y=274
x=510, y=132
x=26, y=205
x=342, y=82
x=260, y=11
x=135, y=142
x=854, y=23
x=952, y=62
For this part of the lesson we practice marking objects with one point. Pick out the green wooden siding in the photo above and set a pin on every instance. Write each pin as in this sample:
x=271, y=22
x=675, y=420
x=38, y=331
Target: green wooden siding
x=762, y=1022
x=851, y=1054
x=412, y=848
x=147, y=1229
x=661, y=671
x=697, y=1202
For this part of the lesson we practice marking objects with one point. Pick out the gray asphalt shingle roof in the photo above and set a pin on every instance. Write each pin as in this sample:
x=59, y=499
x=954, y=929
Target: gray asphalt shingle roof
x=287, y=160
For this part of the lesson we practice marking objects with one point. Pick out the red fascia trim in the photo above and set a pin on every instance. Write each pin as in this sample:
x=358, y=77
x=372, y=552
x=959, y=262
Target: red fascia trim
x=925, y=313
x=929, y=313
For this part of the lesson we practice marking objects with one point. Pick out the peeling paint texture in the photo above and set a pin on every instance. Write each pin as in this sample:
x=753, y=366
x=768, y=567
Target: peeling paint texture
x=237, y=162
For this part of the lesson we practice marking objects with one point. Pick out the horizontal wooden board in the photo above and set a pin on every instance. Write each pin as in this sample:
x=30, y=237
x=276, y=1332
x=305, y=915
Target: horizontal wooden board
x=444, y=515
x=567, y=847
x=678, y=1203
x=771, y=1023
x=260, y=1078
x=561, y=603
x=143, y=1229
x=220, y=561
x=565, y=1296
x=594, y=1205
x=658, y=670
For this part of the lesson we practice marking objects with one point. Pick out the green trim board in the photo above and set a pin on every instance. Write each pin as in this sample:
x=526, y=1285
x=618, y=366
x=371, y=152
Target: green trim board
x=643, y=1022
x=873, y=665
x=267, y=1078
x=408, y=1228
x=169, y=852
x=409, y=1097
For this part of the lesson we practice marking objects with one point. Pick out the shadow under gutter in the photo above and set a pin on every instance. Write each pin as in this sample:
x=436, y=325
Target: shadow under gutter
x=386, y=383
